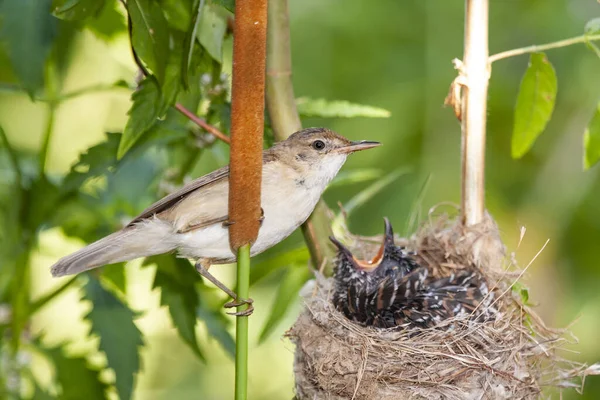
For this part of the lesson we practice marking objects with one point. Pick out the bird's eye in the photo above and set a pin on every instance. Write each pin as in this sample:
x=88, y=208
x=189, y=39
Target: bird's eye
x=318, y=145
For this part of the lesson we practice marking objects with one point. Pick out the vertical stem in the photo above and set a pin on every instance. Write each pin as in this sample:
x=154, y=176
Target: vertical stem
x=247, y=121
x=241, y=324
x=474, y=111
x=245, y=166
x=281, y=102
x=285, y=120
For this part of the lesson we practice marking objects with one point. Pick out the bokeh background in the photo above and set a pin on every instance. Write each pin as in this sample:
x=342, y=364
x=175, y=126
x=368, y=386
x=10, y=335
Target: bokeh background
x=387, y=53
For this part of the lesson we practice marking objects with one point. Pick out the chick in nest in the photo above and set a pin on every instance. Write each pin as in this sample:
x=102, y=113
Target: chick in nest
x=393, y=290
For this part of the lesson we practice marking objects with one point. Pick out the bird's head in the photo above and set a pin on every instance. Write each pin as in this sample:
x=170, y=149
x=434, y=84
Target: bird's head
x=389, y=257
x=318, y=152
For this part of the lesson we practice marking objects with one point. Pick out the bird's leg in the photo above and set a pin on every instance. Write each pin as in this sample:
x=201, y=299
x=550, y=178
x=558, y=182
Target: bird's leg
x=203, y=271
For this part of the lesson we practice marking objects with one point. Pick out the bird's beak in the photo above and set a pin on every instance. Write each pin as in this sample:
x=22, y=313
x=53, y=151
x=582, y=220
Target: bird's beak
x=357, y=146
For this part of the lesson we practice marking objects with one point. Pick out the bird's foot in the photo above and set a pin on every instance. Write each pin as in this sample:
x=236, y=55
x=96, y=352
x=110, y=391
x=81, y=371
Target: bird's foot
x=236, y=302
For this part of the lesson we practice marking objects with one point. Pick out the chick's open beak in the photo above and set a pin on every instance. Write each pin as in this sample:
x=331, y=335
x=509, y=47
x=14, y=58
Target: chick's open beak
x=357, y=146
x=368, y=265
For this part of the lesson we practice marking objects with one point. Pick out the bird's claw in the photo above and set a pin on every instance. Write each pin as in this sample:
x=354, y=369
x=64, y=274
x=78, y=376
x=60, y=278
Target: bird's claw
x=239, y=302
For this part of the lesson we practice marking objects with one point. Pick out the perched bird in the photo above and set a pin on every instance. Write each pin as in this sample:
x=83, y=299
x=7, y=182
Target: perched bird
x=194, y=220
x=393, y=290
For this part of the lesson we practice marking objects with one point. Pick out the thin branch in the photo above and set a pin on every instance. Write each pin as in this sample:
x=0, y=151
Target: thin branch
x=202, y=123
x=476, y=73
x=285, y=120
x=543, y=47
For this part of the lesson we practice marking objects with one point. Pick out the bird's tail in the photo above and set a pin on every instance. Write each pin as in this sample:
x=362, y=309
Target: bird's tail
x=145, y=239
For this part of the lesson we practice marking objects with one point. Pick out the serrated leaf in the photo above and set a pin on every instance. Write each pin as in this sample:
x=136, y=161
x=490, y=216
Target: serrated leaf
x=211, y=30
x=591, y=141
x=355, y=176
x=535, y=103
x=308, y=107
x=144, y=113
x=287, y=292
x=150, y=34
x=73, y=10
x=176, y=279
x=77, y=379
x=28, y=31
x=120, y=339
x=94, y=162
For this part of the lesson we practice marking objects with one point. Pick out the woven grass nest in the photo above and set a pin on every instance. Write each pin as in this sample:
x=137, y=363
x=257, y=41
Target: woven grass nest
x=510, y=356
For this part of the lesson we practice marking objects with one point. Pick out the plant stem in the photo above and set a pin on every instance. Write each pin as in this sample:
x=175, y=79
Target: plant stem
x=47, y=137
x=247, y=121
x=474, y=111
x=246, y=161
x=241, y=324
x=202, y=123
x=285, y=120
x=281, y=102
x=543, y=47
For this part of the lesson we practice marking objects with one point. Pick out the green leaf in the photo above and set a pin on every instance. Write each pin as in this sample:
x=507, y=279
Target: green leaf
x=178, y=13
x=40, y=201
x=190, y=42
x=591, y=141
x=43, y=300
x=535, y=103
x=115, y=275
x=287, y=291
x=176, y=279
x=229, y=5
x=108, y=23
x=144, y=113
x=280, y=260
x=28, y=31
x=150, y=34
x=172, y=83
x=73, y=10
x=94, y=162
x=355, y=176
x=77, y=379
x=308, y=107
x=211, y=30
x=120, y=339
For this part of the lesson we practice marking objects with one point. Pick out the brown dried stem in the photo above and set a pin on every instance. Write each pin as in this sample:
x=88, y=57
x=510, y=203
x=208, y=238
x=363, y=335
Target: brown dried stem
x=474, y=103
x=247, y=121
x=285, y=120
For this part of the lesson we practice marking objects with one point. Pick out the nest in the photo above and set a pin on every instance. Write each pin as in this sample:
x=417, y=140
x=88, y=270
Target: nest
x=511, y=356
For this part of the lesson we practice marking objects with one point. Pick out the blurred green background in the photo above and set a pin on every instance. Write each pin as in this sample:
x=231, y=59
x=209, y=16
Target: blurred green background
x=387, y=53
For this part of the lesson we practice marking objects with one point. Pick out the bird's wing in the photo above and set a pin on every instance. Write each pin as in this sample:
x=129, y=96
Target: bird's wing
x=180, y=195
